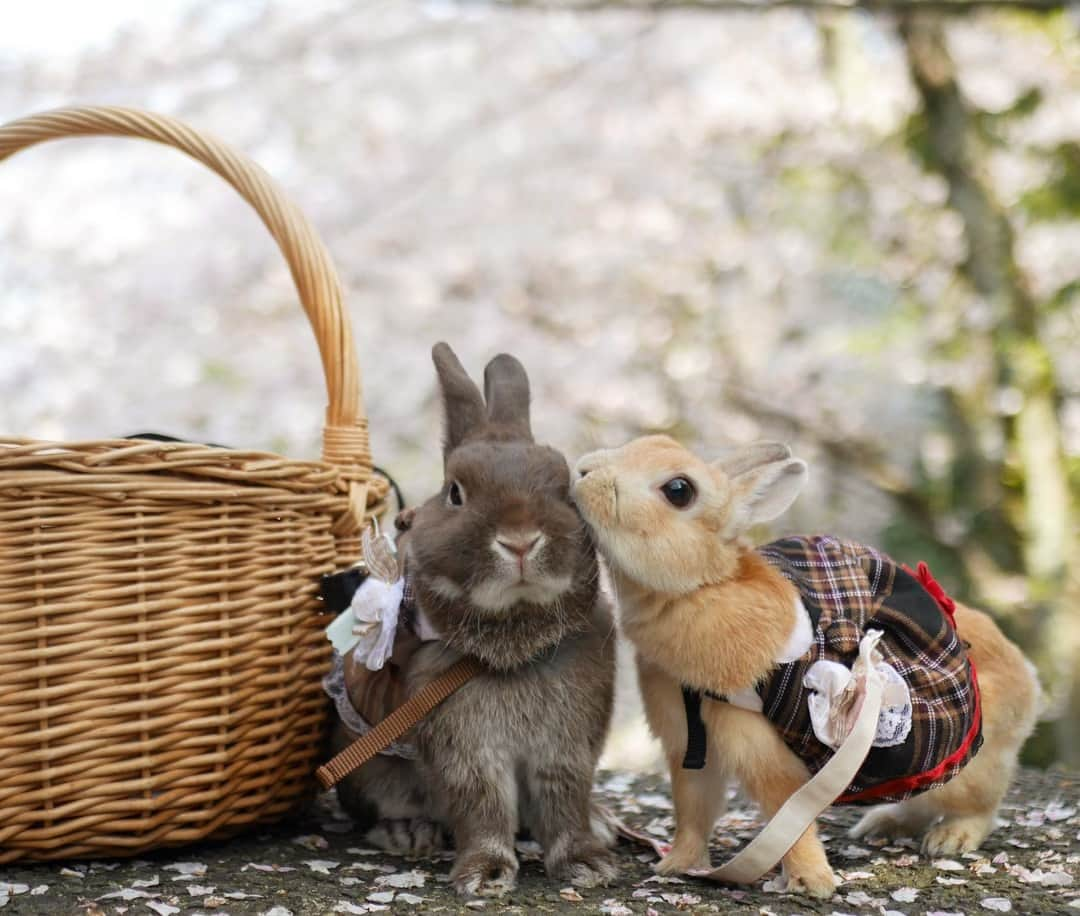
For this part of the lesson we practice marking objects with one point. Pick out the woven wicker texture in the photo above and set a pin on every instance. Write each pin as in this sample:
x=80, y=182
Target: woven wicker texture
x=161, y=644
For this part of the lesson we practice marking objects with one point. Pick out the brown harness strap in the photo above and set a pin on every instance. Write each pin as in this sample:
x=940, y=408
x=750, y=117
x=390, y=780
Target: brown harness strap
x=398, y=722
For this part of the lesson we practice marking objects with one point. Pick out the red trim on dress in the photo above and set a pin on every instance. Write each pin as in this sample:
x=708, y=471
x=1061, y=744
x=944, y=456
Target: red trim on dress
x=910, y=783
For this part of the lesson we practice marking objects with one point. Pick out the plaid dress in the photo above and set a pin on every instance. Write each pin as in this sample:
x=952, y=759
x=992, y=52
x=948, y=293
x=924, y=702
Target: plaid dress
x=847, y=589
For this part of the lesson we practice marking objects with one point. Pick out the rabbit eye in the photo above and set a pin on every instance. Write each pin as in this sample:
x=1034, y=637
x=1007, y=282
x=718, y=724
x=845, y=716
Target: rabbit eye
x=456, y=496
x=679, y=492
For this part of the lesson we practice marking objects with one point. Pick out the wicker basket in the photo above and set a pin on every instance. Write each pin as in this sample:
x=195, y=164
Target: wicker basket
x=161, y=643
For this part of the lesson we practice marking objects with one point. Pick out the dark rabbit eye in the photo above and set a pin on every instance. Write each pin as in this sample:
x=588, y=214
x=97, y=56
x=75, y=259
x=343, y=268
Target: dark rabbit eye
x=679, y=492
x=456, y=496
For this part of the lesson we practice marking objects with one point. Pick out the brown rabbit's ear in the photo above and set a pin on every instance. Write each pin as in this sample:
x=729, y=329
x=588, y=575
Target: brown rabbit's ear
x=745, y=458
x=506, y=389
x=462, y=402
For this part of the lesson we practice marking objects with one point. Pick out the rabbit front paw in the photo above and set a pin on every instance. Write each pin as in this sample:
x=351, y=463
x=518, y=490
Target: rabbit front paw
x=683, y=859
x=484, y=874
x=589, y=864
x=820, y=882
x=417, y=836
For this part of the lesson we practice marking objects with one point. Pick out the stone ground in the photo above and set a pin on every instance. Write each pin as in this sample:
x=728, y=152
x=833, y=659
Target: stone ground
x=315, y=865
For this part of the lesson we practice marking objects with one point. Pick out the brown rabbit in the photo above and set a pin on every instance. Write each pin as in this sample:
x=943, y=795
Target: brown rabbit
x=706, y=611
x=504, y=569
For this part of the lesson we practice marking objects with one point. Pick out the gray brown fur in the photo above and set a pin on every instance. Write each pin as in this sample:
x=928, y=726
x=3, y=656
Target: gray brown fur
x=517, y=747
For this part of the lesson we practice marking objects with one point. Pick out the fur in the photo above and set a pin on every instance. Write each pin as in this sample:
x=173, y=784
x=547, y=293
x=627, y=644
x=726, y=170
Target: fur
x=511, y=577
x=701, y=608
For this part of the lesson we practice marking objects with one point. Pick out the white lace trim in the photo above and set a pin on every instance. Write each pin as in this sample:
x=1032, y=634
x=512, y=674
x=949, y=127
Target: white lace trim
x=832, y=702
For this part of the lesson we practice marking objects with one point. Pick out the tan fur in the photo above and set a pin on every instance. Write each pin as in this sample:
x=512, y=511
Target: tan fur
x=702, y=609
x=966, y=805
x=685, y=636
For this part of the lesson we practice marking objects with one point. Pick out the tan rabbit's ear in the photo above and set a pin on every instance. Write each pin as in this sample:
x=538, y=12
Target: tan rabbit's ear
x=506, y=389
x=462, y=402
x=764, y=492
x=736, y=461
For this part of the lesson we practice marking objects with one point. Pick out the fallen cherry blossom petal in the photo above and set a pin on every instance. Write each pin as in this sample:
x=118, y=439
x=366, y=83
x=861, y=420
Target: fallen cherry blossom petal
x=344, y=906
x=381, y=897
x=402, y=879
x=126, y=894
x=681, y=900
x=1057, y=812
x=852, y=851
x=186, y=870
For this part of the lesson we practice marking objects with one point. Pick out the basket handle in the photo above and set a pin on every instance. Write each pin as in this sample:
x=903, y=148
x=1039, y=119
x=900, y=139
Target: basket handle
x=345, y=438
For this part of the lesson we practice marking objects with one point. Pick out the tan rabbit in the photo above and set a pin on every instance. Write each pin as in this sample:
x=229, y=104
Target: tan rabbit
x=736, y=629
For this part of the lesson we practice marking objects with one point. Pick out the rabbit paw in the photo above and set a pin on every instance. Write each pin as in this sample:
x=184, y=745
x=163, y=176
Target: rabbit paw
x=590, y=865
x=884, y=822
x=680, y=861
x=484, y=874
x=956, y=835
x=818, y=882
x=417, y=836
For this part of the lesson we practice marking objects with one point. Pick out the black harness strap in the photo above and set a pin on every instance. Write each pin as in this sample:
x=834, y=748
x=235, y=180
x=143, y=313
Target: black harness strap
x=696, y=740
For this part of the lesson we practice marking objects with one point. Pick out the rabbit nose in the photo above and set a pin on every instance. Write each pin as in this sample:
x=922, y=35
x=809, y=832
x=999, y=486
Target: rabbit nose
x=521, y=543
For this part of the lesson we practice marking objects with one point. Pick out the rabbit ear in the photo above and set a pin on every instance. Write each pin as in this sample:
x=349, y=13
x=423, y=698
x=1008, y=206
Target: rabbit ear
x=763, y=493
x=462, y=403
x=506, y=389
x=745, y=458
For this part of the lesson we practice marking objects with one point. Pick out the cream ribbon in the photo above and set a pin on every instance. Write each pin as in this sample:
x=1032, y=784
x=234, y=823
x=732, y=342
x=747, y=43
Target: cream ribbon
x=802, y=809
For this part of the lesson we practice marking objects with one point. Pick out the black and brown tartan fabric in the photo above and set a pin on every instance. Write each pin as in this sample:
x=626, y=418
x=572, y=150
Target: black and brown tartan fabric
x=847, y=589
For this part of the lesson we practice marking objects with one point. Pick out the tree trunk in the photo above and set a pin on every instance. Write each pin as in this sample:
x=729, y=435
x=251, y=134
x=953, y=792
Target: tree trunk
x=1021, y=361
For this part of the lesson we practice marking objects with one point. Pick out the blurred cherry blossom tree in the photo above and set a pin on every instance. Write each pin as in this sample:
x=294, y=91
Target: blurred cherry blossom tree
x=855, y=230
